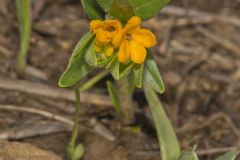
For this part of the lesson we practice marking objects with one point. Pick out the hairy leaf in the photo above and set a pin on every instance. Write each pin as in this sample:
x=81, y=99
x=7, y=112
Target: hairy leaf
x=93, y=10
x=147, y=9
x=169, y=146
x=151, y=74
x=77, y=67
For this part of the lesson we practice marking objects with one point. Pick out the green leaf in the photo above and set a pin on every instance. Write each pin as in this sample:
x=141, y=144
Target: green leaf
x=146, y=9
x=24, y=19
x=77, y=67
x=90, y=56
x=91, y=82
x=114, y=69
x=125, y=69
x=93, y=10
x=121, y=10
x=229, y=156
x=188, y=155
x=119, y=70
x=132, y=83
x=138, y=71
x=169, y=146
x=112, y=90
x=151, y=74
x=83, y=43
x=78, y=152
x=105, y=4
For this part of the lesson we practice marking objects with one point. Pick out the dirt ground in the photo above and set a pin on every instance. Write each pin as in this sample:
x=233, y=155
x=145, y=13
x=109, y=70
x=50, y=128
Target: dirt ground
x=198, y=55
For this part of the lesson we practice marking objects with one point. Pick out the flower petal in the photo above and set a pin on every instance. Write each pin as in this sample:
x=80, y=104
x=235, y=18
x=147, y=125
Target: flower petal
x=108, y=50
x=103, y=36
x=98, y=48
x=112, y=23
x=95, y=24
x=144, y=37
x=133, y=23
x=123, y=53
x=137, y=52
x=118, y=37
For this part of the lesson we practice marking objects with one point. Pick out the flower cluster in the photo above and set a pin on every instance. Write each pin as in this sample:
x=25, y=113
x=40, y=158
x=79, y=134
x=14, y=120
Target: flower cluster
x=129, y=41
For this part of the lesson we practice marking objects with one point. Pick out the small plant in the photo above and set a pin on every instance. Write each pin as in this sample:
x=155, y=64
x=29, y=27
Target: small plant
x=116, y=44
x=24, y=19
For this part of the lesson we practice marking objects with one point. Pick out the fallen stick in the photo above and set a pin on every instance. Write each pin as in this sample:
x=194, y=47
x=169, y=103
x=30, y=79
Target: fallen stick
x=210, y=151
x=48, y=91
x=33, y=130
x=38, y=112
x=219, y=40
x=178, y=11
x=98, y=128
x=215, y=151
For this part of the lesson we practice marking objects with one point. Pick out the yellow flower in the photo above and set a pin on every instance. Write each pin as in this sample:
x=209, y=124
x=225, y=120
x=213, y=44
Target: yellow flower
x=107, y=49
x=105, y=30
x=132, y=41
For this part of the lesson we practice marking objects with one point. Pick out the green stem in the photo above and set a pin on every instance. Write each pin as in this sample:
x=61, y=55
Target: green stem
x=93, y=80
x=127, y=104
x=24, y=19
x=72, y=143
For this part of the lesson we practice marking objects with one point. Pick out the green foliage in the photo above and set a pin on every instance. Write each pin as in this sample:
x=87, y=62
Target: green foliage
x=121, y=10
x=119, y=70
x=169, y=146
x=151, y=74
x=138, y=71
x=124, y=9
x=112, y=90
x=24, y=19
x=105, y=4
x=192, y=155
x=78, y=152
x=90, y=55
x=93, y=10
x=229, y=156
x=189, y=155
x=91, y=82
x=147, y=9
x=77, y=67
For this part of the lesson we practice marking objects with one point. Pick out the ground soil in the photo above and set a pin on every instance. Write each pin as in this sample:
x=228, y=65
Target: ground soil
x=199, y=63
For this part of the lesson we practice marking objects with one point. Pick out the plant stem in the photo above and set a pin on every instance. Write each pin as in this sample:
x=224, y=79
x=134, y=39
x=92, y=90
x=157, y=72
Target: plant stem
x=127, y=104
x=93, y=80
x=24, y=19
x=72, y=143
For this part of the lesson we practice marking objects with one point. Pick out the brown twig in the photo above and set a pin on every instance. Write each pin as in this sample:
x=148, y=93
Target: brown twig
x=212, y=151
x=193, y=127
x=47, y=91
x=220, y=40
x=98, y=128
x=38, y=112
x=165, y=45
x=179, y=22
x=179, y=11
x=32, y=130
x=209, y=151
x=30, y=70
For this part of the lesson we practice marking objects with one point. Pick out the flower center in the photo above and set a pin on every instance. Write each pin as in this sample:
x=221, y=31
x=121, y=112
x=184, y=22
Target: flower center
x=128, y=37
x=111, y=29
